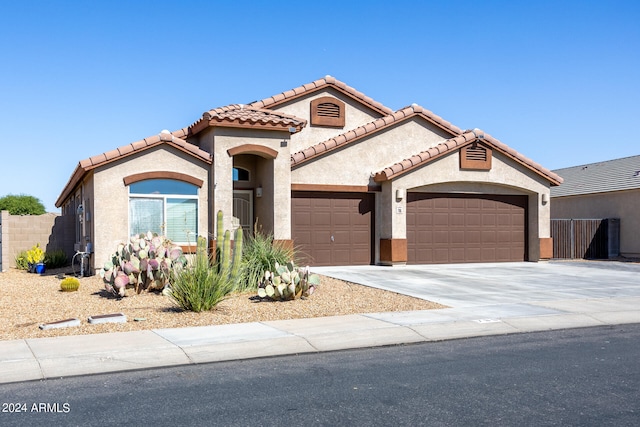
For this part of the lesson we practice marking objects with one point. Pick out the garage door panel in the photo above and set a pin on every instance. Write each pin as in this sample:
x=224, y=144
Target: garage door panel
x=445, y=228
x=333, y=228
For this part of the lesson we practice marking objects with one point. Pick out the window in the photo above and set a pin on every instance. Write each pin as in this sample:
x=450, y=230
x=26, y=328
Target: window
x=327, y=111
x=240, y=174
x=166, y=207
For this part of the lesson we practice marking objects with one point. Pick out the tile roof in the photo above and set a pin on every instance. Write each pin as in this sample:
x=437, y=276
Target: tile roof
x=601, y=177
x=371, y=128
x=317, y=85
x=458, y=142
x=240, y=115
x=165, y=137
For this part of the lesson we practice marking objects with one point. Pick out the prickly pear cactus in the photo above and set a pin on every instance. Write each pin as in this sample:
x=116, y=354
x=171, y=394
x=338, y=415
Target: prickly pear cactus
x=288, y=282
x=144, y=262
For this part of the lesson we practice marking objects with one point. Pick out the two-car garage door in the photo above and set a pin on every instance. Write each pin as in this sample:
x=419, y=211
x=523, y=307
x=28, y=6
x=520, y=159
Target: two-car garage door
x=338, y=228
x=454, y=228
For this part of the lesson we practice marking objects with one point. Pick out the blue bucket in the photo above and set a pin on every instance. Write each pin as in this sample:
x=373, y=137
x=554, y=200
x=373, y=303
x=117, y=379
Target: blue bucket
x=40, y=268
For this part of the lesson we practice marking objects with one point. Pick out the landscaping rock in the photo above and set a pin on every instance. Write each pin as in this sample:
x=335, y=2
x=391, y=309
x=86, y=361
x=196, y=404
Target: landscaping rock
x=60, y=324
x=108, y=318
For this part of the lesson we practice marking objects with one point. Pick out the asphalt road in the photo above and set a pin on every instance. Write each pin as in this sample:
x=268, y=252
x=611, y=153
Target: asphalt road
x=586, y=377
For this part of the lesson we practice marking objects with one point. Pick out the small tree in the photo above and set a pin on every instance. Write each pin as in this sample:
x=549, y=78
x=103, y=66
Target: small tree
x=21, y=205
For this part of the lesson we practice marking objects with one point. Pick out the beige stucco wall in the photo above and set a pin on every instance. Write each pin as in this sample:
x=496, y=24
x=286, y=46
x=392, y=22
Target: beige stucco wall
x=355, y=163
x=273, y=175
x=622, y=204
x=110, y=197
x=355, y=115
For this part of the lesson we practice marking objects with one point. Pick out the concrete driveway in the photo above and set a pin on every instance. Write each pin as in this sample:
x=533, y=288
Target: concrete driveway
x=500, y=290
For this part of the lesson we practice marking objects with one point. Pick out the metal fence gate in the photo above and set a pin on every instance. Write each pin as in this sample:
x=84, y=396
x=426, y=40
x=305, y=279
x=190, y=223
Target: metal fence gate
x=586, y=238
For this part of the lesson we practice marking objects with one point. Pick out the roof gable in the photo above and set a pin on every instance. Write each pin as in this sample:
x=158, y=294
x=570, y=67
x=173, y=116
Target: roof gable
x=456, y=143
x=601, y=177
x=164, y=137
x=372, y=128
x=321, y=84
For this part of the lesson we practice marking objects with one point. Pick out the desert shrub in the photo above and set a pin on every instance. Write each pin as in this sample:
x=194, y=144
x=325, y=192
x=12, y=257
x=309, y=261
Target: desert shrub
x=22, y=262
x=261, y=254
x=21, y=205
x=56, y=259
x=201, y=284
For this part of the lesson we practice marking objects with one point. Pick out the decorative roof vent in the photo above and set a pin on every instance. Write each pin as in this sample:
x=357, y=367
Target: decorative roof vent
x=327, y=111
x=475, y=156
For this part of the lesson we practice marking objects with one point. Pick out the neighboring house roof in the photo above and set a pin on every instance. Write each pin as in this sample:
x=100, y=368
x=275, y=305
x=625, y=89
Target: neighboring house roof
x=246, y=116
x=315, y=86
x=456, y=143
x=601, y=177
x=371, y=128
x=164, y=137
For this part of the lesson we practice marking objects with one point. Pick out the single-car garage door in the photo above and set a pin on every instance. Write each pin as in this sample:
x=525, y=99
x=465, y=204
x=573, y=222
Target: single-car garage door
x=333, y=228
x=451, y=228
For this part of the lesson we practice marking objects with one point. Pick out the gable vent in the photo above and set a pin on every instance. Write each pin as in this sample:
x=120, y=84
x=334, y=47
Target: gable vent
x=475, y=156
x=476, y=153
x=327, y=111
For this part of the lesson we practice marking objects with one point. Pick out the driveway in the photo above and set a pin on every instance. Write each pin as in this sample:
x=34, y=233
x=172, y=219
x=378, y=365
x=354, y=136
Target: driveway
x=501, y=289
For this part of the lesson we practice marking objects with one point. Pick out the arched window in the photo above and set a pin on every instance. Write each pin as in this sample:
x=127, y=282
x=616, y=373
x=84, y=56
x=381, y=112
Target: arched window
x=164, y=206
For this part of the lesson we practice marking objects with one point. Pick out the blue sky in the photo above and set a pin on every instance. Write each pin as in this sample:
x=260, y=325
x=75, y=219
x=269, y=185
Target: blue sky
x=558, y=81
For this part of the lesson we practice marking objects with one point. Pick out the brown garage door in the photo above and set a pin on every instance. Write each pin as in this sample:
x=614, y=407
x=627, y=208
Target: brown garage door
x=450, y=228
x=333, y=228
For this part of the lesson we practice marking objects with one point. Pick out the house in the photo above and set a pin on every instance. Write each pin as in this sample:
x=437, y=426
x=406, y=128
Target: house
x=609, y=189
x=326, y=168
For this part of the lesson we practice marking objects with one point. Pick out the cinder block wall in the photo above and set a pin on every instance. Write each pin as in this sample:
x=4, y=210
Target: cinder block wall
x=21, y=232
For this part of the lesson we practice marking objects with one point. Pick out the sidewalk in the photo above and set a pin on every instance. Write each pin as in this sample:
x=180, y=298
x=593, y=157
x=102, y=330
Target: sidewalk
x=43, y=358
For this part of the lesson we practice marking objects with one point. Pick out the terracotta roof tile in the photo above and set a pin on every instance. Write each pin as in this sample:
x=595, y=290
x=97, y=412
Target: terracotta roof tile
x=451, y=144
x=86, y=165
x=381, y=123
x=243, y=115
x=273, y=101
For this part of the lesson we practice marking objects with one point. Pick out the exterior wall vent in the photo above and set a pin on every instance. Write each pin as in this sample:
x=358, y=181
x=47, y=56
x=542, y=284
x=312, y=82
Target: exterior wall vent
x=327, y=111
x=475, y=156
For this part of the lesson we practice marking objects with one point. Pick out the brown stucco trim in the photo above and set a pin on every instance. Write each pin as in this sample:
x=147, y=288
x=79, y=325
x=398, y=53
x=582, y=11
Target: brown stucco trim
x=259, y=150
x=546, y=247
x=162, y=175
x=338, y=188
x=393, y=251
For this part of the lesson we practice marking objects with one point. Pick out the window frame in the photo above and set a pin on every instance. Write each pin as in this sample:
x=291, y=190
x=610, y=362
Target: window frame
x=165, y=198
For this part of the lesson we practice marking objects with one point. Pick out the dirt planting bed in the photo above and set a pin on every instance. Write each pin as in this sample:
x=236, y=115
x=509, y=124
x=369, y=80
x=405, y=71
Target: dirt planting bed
x=28, y=300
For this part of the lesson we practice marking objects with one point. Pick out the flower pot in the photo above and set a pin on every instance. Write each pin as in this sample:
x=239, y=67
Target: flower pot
x=32, y=268
x=40, y=268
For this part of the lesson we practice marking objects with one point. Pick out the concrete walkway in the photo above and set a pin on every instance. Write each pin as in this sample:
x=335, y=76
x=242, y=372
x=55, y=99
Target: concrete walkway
x=484, y=299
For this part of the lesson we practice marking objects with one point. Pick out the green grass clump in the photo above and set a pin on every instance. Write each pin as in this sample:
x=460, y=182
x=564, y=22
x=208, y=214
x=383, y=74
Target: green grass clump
x=200, y=286
x=56, y=259
x=260, y=254
x=22, y=262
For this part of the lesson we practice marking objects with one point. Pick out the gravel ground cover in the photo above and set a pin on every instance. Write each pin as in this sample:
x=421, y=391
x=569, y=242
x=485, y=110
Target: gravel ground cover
x=28, y=300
